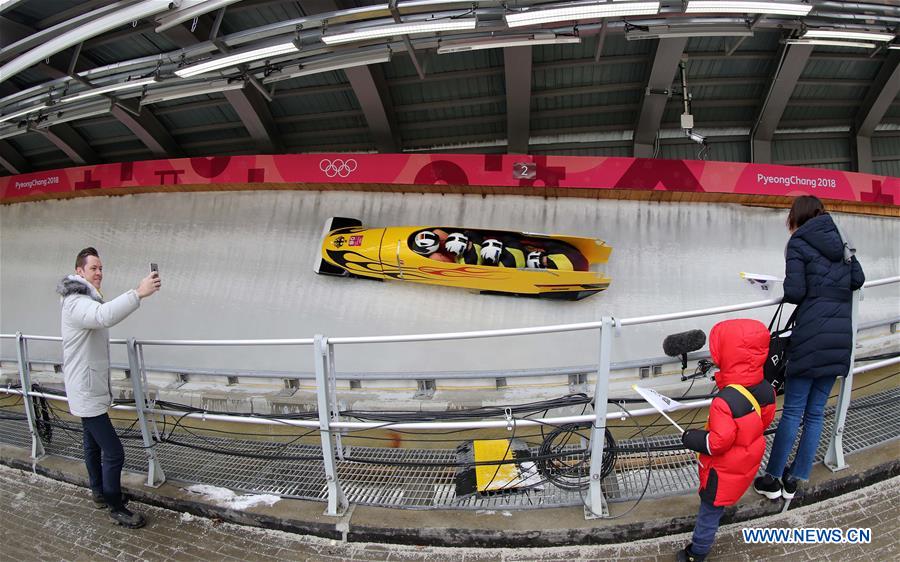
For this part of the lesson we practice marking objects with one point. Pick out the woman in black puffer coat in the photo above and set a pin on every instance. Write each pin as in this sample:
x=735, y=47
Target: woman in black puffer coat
x=820, y=282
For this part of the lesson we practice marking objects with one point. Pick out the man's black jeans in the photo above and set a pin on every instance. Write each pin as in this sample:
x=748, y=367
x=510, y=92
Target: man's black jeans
x=104, y=457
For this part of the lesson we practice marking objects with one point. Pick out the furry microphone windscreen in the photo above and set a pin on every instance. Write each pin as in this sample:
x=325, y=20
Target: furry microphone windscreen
x=684, y=342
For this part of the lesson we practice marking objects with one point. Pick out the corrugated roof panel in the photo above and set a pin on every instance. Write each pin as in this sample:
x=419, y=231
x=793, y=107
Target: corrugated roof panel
x=110, y=150
x=313, y=103
x=497, y=128
x=133, y=46
x=29, y=142
x=800, y=151
x=625, y=119
x=331, y=124
x=813, y=111
x=857, y=69
x=587, y=75
x=886, y=146
x=197, y=116
x=401, y=65
x=420, y=92
x=451, y=112
x=831, y=91
x=742, y=91
x=728, y=66
x=616, y=44
x=572, y=51
x=236, y=133
x=599, y=100
x=887, y=168
x=321, y=79
x=105, y=129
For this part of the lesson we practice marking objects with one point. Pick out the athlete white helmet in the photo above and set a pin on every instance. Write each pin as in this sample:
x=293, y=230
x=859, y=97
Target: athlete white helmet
x=535, y=261
x=456, y=243
x=426, y=243
x=491, y=250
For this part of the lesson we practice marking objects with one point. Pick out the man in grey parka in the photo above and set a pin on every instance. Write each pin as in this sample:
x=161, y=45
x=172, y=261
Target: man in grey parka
x=86, y=320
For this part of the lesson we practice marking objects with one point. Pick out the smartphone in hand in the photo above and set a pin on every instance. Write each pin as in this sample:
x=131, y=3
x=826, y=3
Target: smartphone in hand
x=154, y=269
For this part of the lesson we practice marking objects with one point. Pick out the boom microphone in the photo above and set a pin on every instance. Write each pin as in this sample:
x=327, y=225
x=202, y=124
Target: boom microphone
x=683, y=343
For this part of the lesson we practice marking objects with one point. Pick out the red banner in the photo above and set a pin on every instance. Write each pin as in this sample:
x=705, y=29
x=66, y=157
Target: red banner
x=566, y=172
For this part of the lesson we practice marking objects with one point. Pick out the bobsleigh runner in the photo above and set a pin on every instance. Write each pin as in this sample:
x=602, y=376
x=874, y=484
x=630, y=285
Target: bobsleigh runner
x=487, y=261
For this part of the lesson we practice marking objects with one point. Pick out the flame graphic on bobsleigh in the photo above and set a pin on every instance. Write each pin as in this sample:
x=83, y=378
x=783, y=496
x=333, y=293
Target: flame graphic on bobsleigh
x=349, y=249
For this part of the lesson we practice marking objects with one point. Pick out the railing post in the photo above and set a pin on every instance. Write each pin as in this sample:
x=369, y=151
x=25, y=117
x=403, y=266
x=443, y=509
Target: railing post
x=597, y=507
x=37, y=446
x=332, y=400
x=337, y=503
x=155, y=474
x=834, y=456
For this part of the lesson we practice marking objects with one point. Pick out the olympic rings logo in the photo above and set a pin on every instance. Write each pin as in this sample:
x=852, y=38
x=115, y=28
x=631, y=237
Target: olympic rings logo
x=338, y=167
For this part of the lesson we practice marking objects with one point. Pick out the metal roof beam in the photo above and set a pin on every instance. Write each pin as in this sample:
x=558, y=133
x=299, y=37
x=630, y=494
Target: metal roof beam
x=12, y=160
x=793, y=61
x=517, y=61
x=254, y=112
x=659, y=85
x=881, y=95
x=149, y=130
x=374, y=99
x=70, y=142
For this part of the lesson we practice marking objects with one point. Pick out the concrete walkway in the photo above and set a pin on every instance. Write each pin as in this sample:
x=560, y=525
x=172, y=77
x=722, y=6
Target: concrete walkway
x=44, y=519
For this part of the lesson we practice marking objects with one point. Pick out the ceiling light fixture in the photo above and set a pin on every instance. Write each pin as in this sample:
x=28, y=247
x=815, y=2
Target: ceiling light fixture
x=500, y=42
x=189, y=91
x=327, y=66
x=21, y=112
x=399, y=29
x=235, y=59
x=56, y=118
x=831, y=43
x=106, y=89
x=841, y=34
x=728, y=7
x=589, y=11
x=664, y=31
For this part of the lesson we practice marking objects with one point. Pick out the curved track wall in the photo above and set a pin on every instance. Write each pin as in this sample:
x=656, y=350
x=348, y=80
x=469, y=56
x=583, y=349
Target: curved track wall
x=239, y=265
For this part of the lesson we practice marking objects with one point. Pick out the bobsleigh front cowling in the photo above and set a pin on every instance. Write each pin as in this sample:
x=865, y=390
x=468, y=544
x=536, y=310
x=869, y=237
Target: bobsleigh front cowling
x=348, y=248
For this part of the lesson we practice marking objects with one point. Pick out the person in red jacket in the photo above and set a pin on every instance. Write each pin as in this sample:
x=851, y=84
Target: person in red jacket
x=731, y=448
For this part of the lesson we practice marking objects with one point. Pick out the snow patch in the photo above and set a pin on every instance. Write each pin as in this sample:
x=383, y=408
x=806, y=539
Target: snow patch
x=227, y=498
x=186, y=518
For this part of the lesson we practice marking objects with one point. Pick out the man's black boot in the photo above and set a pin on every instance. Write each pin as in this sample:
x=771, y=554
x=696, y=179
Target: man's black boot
x=686, y=555
x=122, y=516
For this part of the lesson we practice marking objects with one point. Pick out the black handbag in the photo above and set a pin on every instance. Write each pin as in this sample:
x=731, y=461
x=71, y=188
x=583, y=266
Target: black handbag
x=776, y=363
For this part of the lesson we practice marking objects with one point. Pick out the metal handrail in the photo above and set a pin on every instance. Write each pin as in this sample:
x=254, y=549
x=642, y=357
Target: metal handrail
x=422, y=426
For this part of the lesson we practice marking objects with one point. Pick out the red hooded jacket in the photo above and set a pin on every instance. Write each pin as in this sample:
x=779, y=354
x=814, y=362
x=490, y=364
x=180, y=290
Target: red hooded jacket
x=732, y=447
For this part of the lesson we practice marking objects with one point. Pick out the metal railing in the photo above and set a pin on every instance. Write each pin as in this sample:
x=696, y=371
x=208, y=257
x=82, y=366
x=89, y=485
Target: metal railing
x=330, y=425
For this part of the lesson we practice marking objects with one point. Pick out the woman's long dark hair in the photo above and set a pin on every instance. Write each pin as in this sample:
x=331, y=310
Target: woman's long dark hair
x=804, y=208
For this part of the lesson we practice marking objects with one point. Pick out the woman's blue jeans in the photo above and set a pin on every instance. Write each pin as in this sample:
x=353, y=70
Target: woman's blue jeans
x=804, y=400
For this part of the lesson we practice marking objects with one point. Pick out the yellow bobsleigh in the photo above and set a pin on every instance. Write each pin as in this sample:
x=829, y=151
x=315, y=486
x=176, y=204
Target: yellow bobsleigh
x=349, y=249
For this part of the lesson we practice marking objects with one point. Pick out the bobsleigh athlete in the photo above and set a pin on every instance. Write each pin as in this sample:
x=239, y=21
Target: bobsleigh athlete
x=732, y=445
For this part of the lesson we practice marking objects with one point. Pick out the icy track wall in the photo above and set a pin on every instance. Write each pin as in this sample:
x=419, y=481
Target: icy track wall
x=238, y=265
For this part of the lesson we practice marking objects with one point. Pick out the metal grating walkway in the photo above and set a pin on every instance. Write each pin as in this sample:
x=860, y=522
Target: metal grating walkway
x=872, y=420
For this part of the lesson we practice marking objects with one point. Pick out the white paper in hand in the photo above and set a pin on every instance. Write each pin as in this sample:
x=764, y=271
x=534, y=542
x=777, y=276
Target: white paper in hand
x=761, y=281
x=660, y=402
